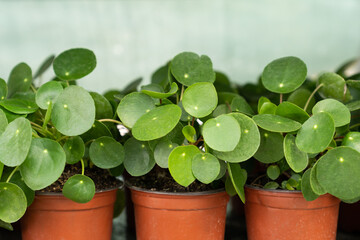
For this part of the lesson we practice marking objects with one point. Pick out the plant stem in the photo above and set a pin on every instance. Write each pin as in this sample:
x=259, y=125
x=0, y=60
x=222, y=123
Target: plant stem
x=67, y=83
x=1, y=169
x=88, y=142
x=35, y=135
x=228, y=106
x=281, y=97
x=256, y=179
x=182, y=92
x=82, y=167
x=312, y=95
x=33, y=88
x=62, y=138
x=110, y=120
x=354, y=126
x=12, y=173
x=193, y=121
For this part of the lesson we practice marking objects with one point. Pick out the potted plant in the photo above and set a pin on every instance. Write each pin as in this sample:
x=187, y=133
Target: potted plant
x=51, y=138
x=310, y=161
x=185, y=144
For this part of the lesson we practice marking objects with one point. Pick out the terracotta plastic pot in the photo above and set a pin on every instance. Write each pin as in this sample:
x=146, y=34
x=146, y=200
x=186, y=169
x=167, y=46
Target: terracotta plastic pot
x=283, y=215
x=179, y=216
x=52, y=216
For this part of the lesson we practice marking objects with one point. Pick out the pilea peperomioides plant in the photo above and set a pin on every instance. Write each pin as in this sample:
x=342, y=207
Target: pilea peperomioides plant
x=315, y=152
x=43, y=129
x=191, y=129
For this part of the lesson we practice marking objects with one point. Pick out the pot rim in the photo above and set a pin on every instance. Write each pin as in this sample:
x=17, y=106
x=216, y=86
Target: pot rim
x=127, y=184
x=272, y=190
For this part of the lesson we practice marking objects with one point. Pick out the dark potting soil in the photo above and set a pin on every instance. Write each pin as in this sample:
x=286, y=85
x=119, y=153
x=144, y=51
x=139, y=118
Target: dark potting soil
x=159, y=179
x=101, y=177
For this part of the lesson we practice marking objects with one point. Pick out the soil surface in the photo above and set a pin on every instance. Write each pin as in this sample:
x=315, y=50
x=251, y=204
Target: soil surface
x=159, y=179
x=101, y=177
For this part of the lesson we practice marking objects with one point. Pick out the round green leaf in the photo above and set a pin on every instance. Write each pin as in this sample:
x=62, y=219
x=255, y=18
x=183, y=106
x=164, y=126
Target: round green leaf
x=189, y=68
x=249, y=141
x=79, y=188
x=180, y=164
x=156, y=123
x=239, y=104
x=222, y=172
x=273, y=172
x=306, y=189
x=3, y=89
x=44, y=164
x=106, y=152
x=20, y=79
x=74, y=64
x=238, y=178
x=176, y=135
x=220, y=110
x=271, y=147
x=160, y=76
x=11, y=116
x=352, y=139
x=334, y=87
x=296, y=159
x=185, y=117
x=133, y=106
x=316, y=133
x=275, y=123
x=47, y=93
x=338, y=172
x=292, y=111
x=261, y=102
x=338, y=111
x=205, y=167
x=155, y=94
x=13, y=202
x=314, y=183
x=73, y=112
x=200, y=99
x=189, y=133
x=284, y=75
x=353, y=106
x=102, y=106
x=268, y=108
x=19, y=181
x=74, y=149
x=138, y=158
x=19, y=106
x=3, y=121
x=15, y=142
x=97, y=130
x=162, y=152
x=271, y=185
x=300, y=97
x=222, y=133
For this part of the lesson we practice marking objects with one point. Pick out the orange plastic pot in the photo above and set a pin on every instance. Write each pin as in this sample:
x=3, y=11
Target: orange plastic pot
x=283, y=215
x=52, y=216
x=179, y=216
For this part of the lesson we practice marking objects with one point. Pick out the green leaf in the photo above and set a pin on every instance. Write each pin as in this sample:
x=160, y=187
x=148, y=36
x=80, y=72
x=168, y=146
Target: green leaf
x=316, y=133
x=74, y=64
x=73, y=112
x=132, y=86
x=44, y=164
x=238, y=178
x=189, y=68
x=292, y=111
x=271, y=185
x=3, y=121
x=306, y=189
x=138, y=158
x=268, y=108
x=334, y=87
x=47, y=93
x=11, y=116
x=13, y=202
x=353, y=106
x=205, y=167
x=180, y=164
x=106, y=152
x=6, y=225
x=275, y=123
x=189, y=133
x=229, y=187
x=314, y=183
x=300, y=97
x=249, y=141
x=15, y=142
x=160, y=76
x=271, y=147
x=19, y=181
x=156, y=123
x=44, y=66
x=338, y=111
x=74, y=149
x=284, y=75
x=353, y=83
x=133, y=106
x=162, y=152
x=296, y=159
x=200, y=99
x=3, y=89
x=352, y=139
x=261, y=102
x=79, y=188
x=222, y=172
x=102, y=106
x=222, y=83
x=220, y=110
x=273, y=172
x=222, y=133
x=239, y=104
x=19, y=106
x=155, y=94
x=338, y=172
x=20, y=79
x=97, y=130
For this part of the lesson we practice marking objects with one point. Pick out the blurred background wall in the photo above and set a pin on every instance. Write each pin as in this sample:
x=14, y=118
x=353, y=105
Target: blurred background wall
x=131, y=38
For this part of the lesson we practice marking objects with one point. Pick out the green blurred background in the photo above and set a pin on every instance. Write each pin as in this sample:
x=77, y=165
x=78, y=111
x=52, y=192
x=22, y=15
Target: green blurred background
x=131, y=38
